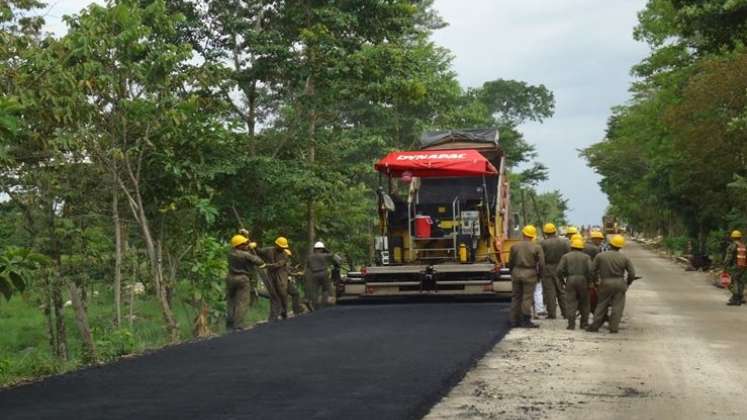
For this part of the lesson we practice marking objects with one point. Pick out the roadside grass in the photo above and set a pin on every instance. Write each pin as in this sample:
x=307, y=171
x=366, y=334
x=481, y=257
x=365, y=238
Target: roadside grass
x=25, y=351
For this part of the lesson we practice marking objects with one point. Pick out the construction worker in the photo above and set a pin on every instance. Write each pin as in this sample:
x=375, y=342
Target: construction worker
x=253, y=293
x=594, y=247
x=575, y=269
x=735, y=262
x=526, y=262
x=553, y=290
x=615, y=273
x=570, y=231
x=318, y=287
x=277, y=259
x=242, y=268
x=295, y=295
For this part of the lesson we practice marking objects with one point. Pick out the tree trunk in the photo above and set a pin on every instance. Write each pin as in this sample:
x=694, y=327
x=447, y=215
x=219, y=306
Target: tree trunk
x=81, y=320
x=252, y=118
x=157, y=273
x=524, y=213
x=138, y=211
x=61, y=350
x=310, y=212
x=117, y=260
x=49, y=315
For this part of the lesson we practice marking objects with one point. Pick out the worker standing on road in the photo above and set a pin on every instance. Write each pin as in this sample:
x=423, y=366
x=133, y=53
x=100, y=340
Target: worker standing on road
x=570, y=231
x=735, y=262
x=318, y=286
x=553, y=291
x=526, y=262
x=594, y=247
x=277, y=259
x=592, y=250
x=575, y=269
x=242, y=268
x=615, y=273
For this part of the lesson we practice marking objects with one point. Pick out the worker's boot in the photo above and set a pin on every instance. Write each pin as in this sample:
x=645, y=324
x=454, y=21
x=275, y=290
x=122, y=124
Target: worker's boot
x=572, y=325
x=527, y=322
x=734, y=302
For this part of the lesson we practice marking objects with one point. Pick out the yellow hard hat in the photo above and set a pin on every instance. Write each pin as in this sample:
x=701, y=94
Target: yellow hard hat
x=577, y=242
x=572, y=230
x=529, y=231
x=282, y=242
x=736, y=235
x=238, y=240
x=549, y=228
x=617, y=241
x=595, y=234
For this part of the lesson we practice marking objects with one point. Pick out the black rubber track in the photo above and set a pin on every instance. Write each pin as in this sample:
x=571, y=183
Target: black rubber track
x=350, y=362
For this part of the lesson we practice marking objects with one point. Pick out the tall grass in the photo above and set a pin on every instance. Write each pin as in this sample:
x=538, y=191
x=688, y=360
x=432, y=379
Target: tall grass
x=25, y=352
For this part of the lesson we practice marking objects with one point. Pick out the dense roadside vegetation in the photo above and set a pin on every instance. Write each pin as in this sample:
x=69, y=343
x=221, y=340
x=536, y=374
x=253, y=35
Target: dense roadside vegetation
x=673, y=159
x=132, y=146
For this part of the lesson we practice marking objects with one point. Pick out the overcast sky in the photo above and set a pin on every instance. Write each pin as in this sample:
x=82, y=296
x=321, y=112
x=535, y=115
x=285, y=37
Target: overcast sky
x=582, y=50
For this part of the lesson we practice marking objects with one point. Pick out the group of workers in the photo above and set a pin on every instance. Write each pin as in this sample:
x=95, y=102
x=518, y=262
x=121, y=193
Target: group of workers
x=272, y=265
x=569, y=269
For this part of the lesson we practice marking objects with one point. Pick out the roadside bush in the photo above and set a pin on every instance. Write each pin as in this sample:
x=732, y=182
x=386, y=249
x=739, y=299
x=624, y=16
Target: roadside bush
x=115, y=344
x=5, y=365
x=35, y=363
x=716, y=244
x=676, y=244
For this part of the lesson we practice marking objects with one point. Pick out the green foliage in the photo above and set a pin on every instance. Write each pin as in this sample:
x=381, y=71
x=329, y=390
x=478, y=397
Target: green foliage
x=676, y=244
x=673, y=157
x=17, y=266
x=117, y=343
x=205, y=269
x=191, y=118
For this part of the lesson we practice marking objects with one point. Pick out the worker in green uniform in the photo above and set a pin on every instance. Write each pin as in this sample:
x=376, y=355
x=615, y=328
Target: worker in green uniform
x=277, y=259
x=318, y=287
x=553, y=290
x=295, y=295
x=526, y=262
x=242, y=268
x=594, y=247
x=735, y=262
x=575, y=269
x=570, y=231
x=615, y=273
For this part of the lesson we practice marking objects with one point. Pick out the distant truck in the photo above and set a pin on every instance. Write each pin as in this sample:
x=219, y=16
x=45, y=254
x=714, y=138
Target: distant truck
x=443, y=220
x=611, y=226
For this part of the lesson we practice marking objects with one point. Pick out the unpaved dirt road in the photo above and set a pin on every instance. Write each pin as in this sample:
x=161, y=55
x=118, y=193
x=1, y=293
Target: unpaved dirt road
x=680, y=354
x=351, y=362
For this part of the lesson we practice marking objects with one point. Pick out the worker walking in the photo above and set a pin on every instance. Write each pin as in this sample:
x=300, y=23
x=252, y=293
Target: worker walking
x=526, y=262
x=317, y=281
x=570, y=231
x=595, y=246
x=615, y=273
x=243, y=266
x=575, y=269
x=553, y=291
x=277, y=259
x=735, y=262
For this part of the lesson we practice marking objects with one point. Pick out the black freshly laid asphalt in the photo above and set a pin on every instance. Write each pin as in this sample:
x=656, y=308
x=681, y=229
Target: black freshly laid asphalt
x=382, y=361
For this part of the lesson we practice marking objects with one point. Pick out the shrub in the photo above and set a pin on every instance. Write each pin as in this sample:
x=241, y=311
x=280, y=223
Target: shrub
x=115, y=344
x=676, y=244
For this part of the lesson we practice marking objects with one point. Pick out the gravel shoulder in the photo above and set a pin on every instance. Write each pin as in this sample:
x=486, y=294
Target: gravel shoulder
x=679, y=354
